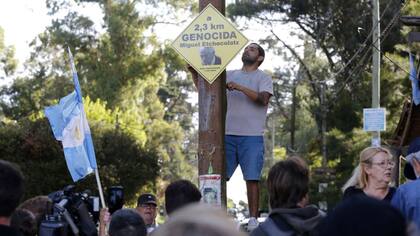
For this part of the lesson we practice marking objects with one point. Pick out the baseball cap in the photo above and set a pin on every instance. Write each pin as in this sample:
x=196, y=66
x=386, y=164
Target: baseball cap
x=146, y=198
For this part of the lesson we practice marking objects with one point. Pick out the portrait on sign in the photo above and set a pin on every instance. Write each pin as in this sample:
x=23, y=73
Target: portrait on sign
x=208, y=56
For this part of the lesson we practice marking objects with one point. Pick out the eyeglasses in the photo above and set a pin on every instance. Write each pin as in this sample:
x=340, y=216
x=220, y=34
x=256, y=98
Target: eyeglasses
x=384, y=164
x=148, y=206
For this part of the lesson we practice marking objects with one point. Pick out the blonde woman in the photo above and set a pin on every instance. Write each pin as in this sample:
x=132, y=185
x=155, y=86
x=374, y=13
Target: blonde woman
x=373, y=175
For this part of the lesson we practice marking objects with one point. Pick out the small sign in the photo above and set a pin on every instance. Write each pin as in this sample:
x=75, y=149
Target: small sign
x=374, y=119
x=210, y=188
x=209, y=43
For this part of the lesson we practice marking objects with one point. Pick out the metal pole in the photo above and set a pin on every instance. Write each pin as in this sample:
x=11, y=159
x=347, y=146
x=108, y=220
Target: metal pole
x=273, y=136
x=293, y=118
x=212, y=112
x=376, y=60
x=323, y=126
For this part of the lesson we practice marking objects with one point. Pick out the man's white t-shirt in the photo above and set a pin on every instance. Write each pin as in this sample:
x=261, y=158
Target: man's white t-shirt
x=245, y=117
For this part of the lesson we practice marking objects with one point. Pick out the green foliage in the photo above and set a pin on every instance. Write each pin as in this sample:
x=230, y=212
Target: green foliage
x=343, y=152
x=121, y=159
x=331, y=35
x=135, y=97
x=8, y=63
x=175, y=92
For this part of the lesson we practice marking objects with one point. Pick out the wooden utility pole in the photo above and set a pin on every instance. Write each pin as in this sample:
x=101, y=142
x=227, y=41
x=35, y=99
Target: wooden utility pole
x=376, y=66
x=212, y=111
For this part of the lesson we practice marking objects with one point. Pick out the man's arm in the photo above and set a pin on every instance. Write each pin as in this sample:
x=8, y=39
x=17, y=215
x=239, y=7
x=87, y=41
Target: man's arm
x=194, y=75
x=261, y=98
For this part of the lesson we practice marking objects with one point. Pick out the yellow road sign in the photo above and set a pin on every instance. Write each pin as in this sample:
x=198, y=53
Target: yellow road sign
x=209, y=43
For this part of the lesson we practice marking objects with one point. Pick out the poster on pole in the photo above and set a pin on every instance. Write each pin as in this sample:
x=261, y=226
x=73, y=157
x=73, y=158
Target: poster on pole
x=209, y=43
x=210, y=188
x=374, y=119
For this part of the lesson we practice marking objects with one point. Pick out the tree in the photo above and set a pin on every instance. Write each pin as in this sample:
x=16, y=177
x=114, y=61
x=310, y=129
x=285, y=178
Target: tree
x=122, y=69
x=8, y=63
x=121, y=158
x=336, y=52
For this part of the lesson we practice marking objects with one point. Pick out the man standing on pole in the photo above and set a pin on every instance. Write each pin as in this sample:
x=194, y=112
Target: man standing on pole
x=249, y=91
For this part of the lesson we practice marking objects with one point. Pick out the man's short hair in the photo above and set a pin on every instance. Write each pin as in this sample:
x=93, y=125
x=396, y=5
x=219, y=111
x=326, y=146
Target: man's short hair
x=127, y=222
x=288, y=183
x=179, y=194
x=11, y=188
x=39, y=206
x=24, y=221
x=261, y=52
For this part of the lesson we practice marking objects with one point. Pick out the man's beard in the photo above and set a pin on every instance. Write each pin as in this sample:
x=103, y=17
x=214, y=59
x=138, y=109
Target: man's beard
x=247, y=60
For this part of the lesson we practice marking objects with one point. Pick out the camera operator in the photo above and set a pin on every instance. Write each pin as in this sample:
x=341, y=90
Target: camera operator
x=24, y=221
x=11, y=191
x=73, y=212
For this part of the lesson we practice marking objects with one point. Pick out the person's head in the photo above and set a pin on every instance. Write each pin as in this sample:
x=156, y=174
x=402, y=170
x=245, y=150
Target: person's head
x=375, y=167
x=39, y=206
x=11, y=188
x=146, y=206
x=24, y=221
x=198, y=219
x=127, y=222
x=412, y=166
x=179, y=194
x=363, y=216
x=253, y=53
x=207, y=55
x=288, y=183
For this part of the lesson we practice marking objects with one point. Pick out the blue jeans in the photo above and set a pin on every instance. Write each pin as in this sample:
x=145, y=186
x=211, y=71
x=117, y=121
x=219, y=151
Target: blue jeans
x=248, y=152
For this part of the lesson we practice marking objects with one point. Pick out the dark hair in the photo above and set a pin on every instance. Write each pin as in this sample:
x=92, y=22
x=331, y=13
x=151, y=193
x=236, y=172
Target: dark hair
x=179, y=194
x=199, y=219
x=24, y=221
x=39, y=206
x=261, y=52
x=364, y=216
x=127, y=222
x=288, y=183
x=11, y=187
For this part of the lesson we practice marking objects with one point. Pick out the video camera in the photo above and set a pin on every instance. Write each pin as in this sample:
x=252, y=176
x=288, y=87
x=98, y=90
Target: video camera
x=78, y=212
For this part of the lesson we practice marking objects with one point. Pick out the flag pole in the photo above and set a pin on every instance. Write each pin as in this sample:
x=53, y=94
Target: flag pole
x=76, y=81
x=101, y=194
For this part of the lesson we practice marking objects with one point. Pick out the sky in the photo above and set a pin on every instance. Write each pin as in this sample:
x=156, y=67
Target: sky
x=23, y=20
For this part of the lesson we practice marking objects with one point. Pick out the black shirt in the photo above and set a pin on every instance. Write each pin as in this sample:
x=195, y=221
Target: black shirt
x=9, y=231
x=351, y=191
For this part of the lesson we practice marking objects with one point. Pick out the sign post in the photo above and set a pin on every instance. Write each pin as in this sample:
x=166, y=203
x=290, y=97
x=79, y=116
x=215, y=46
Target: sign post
x=208, y=44
x=374, y=121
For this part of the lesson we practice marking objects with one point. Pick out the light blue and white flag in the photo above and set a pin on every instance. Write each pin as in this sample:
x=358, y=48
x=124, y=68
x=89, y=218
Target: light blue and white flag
x=69, y=125
x=414, y=82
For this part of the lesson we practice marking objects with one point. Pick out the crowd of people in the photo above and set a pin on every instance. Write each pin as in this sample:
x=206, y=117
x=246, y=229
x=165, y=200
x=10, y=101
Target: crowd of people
x=369, y=206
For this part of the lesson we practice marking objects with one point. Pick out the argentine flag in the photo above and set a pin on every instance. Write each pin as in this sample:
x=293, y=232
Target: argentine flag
x=69, y=125
x=414, y=82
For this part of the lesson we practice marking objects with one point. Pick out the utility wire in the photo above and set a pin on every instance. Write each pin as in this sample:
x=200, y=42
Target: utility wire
x=364, y=44
x=385, y=33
